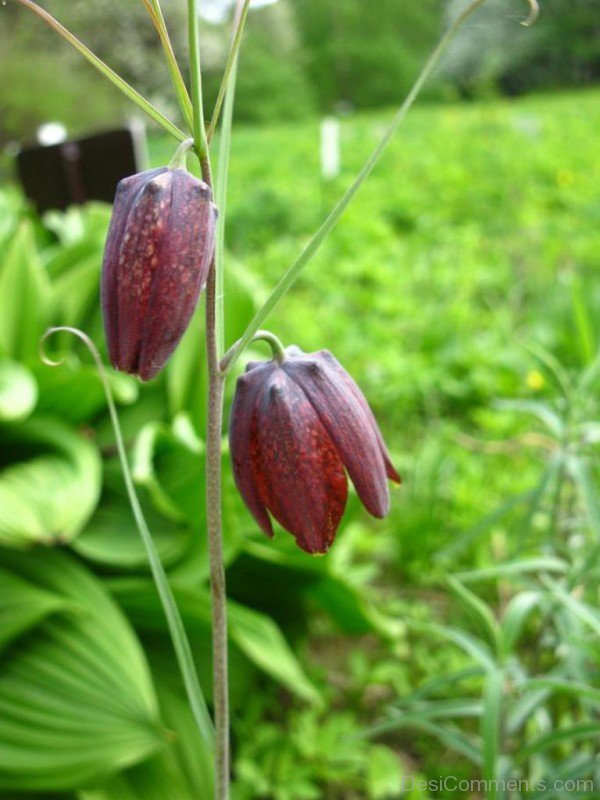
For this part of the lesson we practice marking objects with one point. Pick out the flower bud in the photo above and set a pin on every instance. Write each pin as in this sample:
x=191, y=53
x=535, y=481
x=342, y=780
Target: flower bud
x=158, y=253
x=296, y=428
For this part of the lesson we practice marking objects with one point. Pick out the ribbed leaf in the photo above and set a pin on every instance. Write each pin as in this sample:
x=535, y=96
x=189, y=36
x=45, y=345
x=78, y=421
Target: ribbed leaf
x=76, y=699
x=18, y=391
x=255, y=634
x=49, y=483
x=112, y=538
x=22, y=606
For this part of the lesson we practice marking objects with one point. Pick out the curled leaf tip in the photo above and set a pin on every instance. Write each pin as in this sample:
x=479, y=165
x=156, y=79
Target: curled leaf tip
x=534, y=12
x=50, y=362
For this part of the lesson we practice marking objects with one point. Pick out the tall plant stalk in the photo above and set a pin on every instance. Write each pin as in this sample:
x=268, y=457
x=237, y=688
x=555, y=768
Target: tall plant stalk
x=214, y=528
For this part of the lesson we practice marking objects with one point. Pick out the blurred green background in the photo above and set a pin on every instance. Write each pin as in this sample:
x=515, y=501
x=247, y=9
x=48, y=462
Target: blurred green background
x=458, y=639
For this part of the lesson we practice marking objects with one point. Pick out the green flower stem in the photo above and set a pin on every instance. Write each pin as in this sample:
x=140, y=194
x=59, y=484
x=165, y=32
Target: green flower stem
x=183, y=98
x=112, y=76
x=291, y=275
x=179, y=159
x=216, y=382
x=277, y=349
x=175, y=623
x=230, y=68
x=196, y=79
x=221, y=185
x=214, y=529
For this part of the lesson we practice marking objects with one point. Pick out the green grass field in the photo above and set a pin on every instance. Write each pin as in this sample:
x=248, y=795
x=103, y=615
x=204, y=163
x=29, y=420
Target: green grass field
x=457, y=638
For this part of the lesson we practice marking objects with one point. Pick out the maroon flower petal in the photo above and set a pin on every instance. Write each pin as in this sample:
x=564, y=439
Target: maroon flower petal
x=243, y=447
x=157, y=256
x=348, y=425
x=138, y=261
x=127, y=191
x=184, y=249
x=298, y=472
x=331, y=362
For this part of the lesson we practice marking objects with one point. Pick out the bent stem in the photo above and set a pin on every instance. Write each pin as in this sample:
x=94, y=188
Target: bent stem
x=179, y=638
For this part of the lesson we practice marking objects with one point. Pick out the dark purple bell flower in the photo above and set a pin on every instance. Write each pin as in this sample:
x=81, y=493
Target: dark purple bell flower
x=296, y=428
x=158, y=252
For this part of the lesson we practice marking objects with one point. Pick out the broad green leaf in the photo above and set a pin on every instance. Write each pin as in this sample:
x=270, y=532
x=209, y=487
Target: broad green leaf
x=168, y=462
x=75, y=294
x=263, y=643
x=73, y=391
x=22, y=606
x=171, y=472
x=49, y=482
x=24, y=297
x=253, y=633
x=18, y=391
x=186, y=377
x=76, y=698
x=112, y=538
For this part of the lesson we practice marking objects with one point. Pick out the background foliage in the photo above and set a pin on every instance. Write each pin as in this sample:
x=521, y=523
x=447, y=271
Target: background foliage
x=460, y=636
x=299, y=56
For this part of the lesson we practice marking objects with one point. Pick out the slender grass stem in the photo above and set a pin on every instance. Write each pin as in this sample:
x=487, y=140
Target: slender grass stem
x=230, y=68
x=108, y=73
x=223, y=180
x=185, y=104
x=179, y=638
x=199, y=130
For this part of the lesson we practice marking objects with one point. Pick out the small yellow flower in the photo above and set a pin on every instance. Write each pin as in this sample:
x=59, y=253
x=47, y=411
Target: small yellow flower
x=535, y=380
x=565, y=178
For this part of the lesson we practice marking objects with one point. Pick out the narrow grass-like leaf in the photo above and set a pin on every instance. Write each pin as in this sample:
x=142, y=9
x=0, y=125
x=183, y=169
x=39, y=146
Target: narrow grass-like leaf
x=229, y=75
x=105, y=70
x=491, y=721
x=292, y=274
x=480, y=612
x=158, y=20
x=514, y=568
x=514, y=618
x=589, y=731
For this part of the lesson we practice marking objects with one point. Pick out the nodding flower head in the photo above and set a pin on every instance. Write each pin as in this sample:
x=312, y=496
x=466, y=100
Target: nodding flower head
x=158, y=252
x=297, y=426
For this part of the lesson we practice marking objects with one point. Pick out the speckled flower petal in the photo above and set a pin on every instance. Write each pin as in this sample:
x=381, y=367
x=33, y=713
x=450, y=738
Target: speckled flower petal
x=298, y=472
x=243, y=444
x=348, y=425
x=184, y=251
x=157, y=256
x=126, y=194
